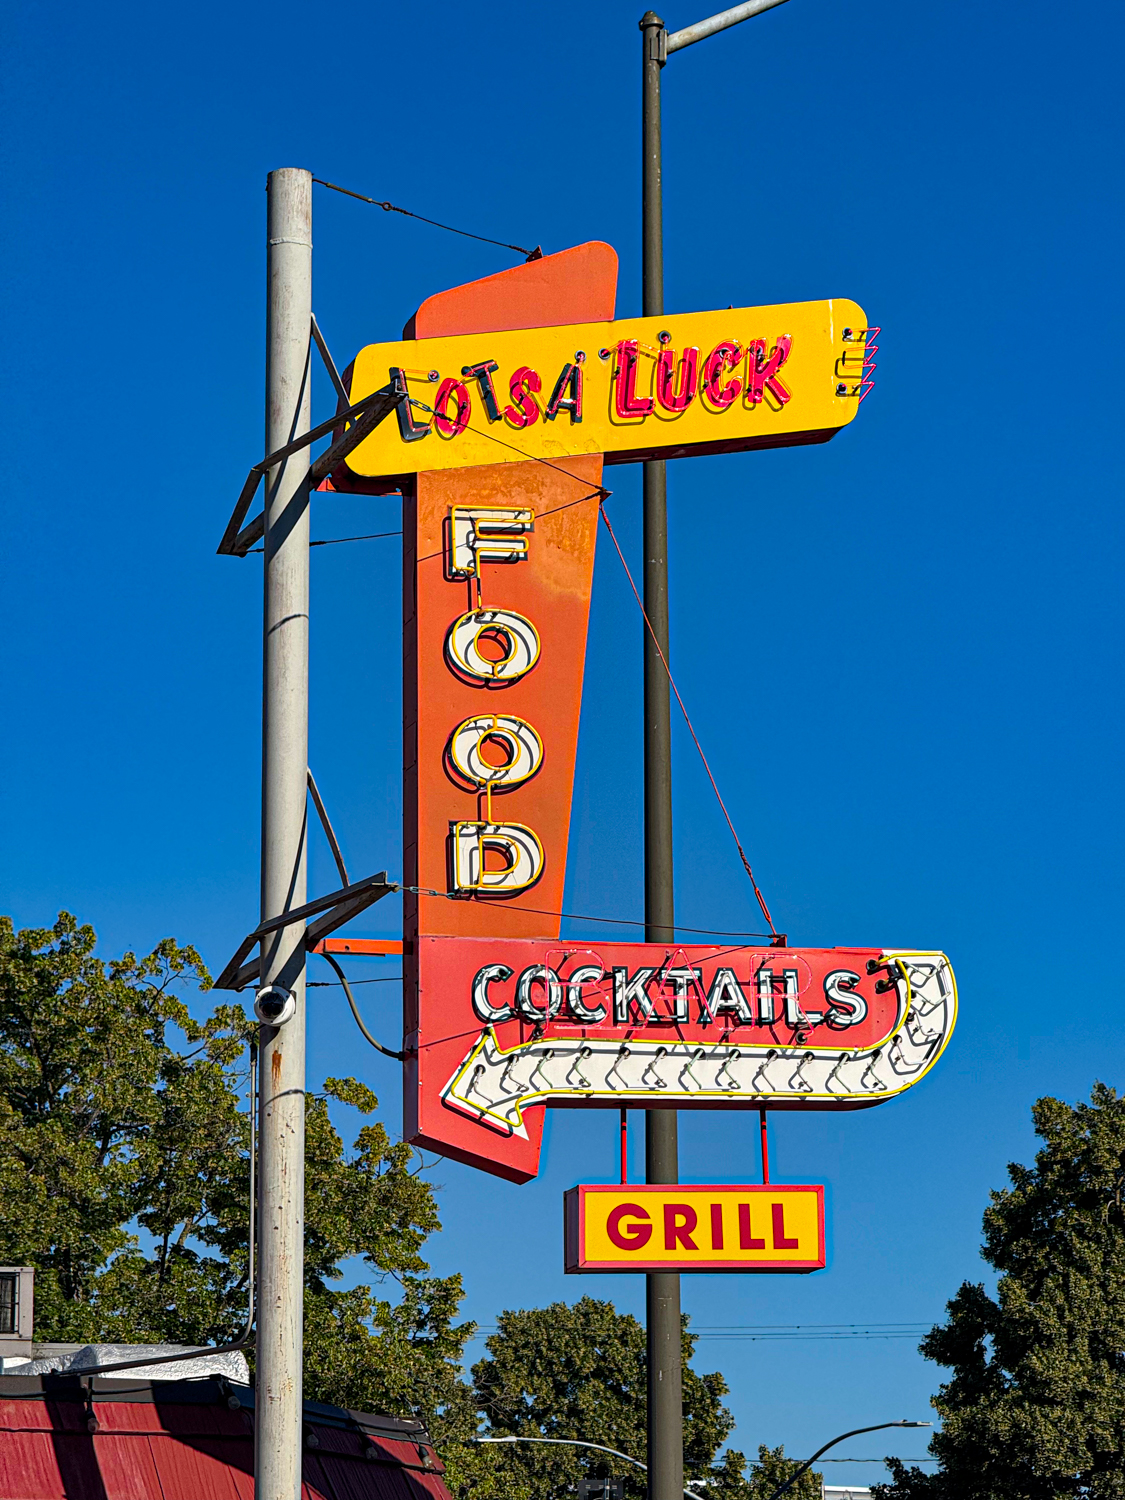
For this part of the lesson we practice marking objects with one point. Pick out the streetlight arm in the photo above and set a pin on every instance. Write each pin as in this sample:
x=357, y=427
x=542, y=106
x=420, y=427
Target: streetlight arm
x=725, y=18
x=577, y=1442
x=855, y=1432
x=566, y=1442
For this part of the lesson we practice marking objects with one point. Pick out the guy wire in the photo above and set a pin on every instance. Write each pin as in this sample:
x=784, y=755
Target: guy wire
x=687, y=721
x=393, y=208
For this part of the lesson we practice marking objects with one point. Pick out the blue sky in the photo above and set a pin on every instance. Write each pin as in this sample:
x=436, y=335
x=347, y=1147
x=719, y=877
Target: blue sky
x=898, y=649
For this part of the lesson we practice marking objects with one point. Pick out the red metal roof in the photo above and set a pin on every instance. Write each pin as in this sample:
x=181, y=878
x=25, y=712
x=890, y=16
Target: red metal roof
x=72, y=1438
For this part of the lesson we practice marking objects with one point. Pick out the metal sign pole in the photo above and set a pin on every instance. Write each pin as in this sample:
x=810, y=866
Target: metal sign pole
x=281, y=1171
x=665, y=1375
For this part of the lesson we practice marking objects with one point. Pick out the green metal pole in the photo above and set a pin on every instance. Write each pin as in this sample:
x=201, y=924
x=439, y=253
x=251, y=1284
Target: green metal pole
x=665, y=1374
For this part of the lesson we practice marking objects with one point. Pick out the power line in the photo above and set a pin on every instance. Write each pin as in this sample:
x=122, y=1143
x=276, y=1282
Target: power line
x=575, y=916
x=798, y=1332
x=731, y=1338
x=328, y=984
x=740, y=1328
x=334, y=541
x=371, y=536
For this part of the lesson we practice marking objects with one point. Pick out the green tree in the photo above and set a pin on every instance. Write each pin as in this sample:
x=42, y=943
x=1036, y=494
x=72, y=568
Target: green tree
x=773, y=1469
x=102, y=1123
x=124, y=1179
x=1035, y=1408
x=579, y=1372
x=362, y=1351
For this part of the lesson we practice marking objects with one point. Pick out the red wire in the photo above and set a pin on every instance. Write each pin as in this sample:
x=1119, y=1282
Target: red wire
x=687, y=721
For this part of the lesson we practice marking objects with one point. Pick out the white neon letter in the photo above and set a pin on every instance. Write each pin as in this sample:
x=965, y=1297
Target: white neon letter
x=586, y=974
x=552, y=993
x=482, y=1005
x=514, y=842
x=847, y=1005
x=726, y=995
x=516, y=636
x=628, y=992
x=519, y=739
x=682, y=981
x=793, y=1012
x=486, y=533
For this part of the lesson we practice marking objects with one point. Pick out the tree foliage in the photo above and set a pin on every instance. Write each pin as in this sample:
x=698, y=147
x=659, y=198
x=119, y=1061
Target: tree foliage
x=579, y=1372
x=103, y=1123
x=124, y=1179
x=1035, y=1408
x=773, y=1469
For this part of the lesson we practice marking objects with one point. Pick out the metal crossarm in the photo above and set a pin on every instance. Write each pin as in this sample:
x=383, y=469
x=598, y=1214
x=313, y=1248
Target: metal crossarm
x=364, y=416
x=338, y=907
x=368, y=414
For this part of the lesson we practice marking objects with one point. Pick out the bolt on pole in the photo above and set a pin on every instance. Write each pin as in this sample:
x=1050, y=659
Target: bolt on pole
x=285, y=675
x=665, y=1374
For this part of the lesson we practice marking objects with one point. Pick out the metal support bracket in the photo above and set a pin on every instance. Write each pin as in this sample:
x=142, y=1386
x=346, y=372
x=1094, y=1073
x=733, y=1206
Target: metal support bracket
x=364, y=417
x=337, y=907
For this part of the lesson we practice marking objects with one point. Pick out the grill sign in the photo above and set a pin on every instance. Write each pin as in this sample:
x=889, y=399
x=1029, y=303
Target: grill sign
x=646, y=1228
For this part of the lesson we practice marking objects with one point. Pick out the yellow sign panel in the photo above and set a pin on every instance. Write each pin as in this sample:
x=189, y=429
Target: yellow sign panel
x=634, y=388
x=638, y=1227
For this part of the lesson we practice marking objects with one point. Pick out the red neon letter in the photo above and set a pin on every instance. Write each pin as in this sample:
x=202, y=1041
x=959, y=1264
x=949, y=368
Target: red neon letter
x=746, y=1240
x=722, y=357
x=667, y=394
x=629, y=1236
x=679, y=1221
x=450, y=426
x=523, y=385
x=626, y=401
x=716, y=1226
x=761, y=373
x=779, y=1240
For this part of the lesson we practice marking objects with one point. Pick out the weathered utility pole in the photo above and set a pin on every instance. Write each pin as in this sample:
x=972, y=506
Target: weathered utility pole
x=285, y=672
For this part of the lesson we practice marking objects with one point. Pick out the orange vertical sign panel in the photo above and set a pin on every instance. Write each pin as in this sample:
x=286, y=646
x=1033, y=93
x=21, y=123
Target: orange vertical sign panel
x=498, y=569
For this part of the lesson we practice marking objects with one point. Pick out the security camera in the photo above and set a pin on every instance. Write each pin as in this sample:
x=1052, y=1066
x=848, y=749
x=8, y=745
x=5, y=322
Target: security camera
x=274, y=1005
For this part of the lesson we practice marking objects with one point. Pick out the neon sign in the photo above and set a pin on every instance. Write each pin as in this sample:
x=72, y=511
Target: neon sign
x=689, y=383
x=638, y=1227
x=520, y=387
x=515, y=1025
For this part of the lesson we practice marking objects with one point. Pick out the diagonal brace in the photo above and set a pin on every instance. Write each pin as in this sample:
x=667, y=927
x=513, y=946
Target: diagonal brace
x=364, y=416
x=328, y=362
x=338, y=907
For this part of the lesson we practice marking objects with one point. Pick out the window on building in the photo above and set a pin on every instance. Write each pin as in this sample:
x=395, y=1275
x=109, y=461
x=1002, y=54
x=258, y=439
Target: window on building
x=9, y=1302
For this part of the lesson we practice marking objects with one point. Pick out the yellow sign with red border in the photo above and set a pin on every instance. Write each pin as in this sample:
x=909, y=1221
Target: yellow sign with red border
x=631, y=388
x=640, y=1227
